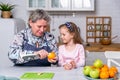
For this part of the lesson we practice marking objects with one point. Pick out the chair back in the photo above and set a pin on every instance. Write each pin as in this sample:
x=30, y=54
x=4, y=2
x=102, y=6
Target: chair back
x=112, y=56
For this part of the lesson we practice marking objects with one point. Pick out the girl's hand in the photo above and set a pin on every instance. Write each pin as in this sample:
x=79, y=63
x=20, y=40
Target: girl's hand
x=68, y=66
x=73, y=64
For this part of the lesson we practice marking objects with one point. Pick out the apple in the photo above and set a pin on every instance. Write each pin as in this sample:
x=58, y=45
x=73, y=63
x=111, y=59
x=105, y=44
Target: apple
x=98, y=63
x=86, y=70
x=94, y=73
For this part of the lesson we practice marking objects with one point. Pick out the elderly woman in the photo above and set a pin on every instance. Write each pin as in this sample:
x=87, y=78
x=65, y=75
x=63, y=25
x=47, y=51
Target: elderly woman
x=30, y=47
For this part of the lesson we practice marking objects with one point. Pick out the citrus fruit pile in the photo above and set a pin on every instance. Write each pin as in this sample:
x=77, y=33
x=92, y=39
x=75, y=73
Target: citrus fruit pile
x=99, y=70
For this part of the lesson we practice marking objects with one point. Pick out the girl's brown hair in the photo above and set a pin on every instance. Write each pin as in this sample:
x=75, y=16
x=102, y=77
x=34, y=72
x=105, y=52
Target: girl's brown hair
x=72, y=28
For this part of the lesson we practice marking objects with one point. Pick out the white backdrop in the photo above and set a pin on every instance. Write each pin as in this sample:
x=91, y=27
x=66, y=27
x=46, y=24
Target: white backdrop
x=102, y=8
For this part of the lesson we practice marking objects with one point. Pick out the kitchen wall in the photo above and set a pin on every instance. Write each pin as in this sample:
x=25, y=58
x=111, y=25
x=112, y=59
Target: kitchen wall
x=102, y=8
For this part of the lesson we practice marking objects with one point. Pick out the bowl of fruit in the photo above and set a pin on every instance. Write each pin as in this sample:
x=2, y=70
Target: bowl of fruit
x=100, y=71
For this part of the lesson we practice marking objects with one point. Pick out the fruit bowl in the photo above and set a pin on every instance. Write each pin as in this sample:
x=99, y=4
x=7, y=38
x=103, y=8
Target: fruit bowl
x=89, y=78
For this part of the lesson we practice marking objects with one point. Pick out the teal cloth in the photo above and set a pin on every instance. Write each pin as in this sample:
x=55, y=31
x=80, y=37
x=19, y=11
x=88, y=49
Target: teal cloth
x=2, y=77
x=11, y=78
x=8, y=78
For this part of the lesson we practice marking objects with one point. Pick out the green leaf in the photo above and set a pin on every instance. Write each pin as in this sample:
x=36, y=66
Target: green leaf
x=6, y=7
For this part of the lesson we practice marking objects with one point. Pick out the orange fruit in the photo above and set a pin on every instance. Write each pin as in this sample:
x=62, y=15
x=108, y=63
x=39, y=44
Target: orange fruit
x=113, y=68
x=105, y=68
x=112, y=73
x=51, y=55
x=104, y=75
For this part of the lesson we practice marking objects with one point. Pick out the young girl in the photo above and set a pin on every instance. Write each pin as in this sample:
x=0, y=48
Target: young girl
x=71, y=53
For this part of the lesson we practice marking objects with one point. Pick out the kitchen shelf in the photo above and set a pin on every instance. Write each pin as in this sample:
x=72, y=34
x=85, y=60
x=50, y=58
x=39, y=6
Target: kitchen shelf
x=97, y=27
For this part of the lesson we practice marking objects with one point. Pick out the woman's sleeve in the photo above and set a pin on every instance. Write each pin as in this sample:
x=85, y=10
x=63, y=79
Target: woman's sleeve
x=53, y=43
x=80, y=61
x=16, y=52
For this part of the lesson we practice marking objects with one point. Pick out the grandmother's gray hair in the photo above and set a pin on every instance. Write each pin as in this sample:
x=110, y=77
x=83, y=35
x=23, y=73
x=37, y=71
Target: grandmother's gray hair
x=39, y=14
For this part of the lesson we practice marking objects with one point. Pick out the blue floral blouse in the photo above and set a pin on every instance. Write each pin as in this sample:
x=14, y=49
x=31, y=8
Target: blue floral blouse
x=24, y=44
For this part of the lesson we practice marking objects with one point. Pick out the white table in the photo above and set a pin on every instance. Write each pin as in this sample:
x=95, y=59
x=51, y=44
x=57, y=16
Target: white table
x=60, y=73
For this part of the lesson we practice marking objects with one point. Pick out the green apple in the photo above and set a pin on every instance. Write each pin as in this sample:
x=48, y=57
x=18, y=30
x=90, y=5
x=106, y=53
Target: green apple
x=86, y=70
x=98, y=63
x=94, y=73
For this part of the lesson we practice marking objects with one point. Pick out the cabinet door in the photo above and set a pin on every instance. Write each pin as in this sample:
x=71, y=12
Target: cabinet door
x=59, y=5
x=34, y=4
x=83, y=5
x=6, y=34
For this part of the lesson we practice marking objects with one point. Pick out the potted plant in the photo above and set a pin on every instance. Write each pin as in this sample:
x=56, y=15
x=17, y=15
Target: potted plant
x=6, y=10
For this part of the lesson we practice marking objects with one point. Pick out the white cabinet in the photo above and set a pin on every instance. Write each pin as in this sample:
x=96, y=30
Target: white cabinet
x=8, y=27
x=83, y=5
x=34, y=4
x=61, y=5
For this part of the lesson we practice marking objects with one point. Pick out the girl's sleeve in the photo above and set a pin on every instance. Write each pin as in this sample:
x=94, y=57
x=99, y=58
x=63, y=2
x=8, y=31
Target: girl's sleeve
x=61, y=59
x=80, y=61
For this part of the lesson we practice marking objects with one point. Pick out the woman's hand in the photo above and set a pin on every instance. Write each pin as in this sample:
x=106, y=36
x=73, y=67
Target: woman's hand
x=42, y=53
